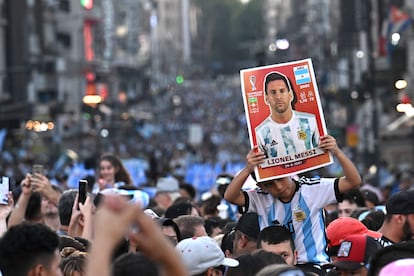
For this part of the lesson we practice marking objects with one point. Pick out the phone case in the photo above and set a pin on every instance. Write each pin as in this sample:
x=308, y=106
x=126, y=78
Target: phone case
x=4, y=190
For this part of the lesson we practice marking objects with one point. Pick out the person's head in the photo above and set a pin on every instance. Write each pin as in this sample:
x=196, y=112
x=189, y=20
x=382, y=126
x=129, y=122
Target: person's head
x=214, y=226
x=278, y=239
x=65, y=206
x=187, y=190
x=250, y=264
x=203, y=254
x=131, y=264
x=191, y=226
x=227, y=243
x=167, y=191
x=208, y=206
x=354, y=255
x=279, y=94
x=343, y=227
x=68, y=241
x=73, y=262
x=282, y=188
x=30, y=249
x=406, y=181
x=179, y=209
x=351, y=200
x=373, y=220
x=400, y=215
x=247, y=231
x=222, y=182
x=111, y=170
x=389, y=254
x=170, y=229
x=371, y=198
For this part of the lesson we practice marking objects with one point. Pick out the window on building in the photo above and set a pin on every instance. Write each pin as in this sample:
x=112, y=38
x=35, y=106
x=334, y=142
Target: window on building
x=64, y=5
x=64, y=39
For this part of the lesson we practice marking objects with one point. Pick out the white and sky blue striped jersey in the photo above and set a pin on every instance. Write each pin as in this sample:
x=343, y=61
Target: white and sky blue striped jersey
x=298, y=135
x=303, y=215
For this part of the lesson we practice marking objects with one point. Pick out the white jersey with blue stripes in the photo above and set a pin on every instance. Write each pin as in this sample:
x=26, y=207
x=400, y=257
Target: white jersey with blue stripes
x=303, y=215
x=298, y=135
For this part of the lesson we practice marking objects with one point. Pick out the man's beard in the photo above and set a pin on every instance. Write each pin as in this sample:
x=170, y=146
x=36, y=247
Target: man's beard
x=407, y=231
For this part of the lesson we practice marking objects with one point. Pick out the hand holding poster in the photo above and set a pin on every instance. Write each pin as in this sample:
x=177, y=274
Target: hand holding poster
x=285, y=118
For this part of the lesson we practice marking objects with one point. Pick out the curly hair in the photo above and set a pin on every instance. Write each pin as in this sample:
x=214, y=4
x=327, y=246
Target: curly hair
x=72, y=261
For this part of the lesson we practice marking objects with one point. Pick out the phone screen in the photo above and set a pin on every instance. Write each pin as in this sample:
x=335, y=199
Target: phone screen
x=83, y=185
x=4, y=190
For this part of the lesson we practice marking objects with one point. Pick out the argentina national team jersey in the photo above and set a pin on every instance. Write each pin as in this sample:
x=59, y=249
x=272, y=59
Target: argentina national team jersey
x=303, y=216
x=298, y=135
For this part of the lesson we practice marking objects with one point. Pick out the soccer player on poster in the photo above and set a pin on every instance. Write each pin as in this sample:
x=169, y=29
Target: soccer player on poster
x=285, y=131
x=285, y=118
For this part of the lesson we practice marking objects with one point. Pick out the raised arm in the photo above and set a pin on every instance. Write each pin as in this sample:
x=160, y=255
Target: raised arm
x=234, y=192
x=5, y=210
x=153, y=243
x=42, y=185
x=19, y=210
x=112, y=221
x=351, y=178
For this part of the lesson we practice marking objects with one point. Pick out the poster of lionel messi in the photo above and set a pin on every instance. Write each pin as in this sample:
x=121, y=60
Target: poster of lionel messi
x=285, y=118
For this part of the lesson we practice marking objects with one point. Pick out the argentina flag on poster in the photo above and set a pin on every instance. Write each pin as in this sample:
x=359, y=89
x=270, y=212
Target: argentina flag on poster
x=302, y=75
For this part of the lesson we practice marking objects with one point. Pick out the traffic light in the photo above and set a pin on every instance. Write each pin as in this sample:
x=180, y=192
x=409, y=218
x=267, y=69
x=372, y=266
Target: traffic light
x=179, y=79
x=87, y=4
x=91, y=96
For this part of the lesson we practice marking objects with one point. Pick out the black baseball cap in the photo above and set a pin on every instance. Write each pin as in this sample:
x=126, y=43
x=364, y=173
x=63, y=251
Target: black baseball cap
x=401, y=203
x=248, y=224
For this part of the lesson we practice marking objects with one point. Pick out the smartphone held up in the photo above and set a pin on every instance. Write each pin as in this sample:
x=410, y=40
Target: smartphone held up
x=38, y=169
x=4, y=190
x=82, y=190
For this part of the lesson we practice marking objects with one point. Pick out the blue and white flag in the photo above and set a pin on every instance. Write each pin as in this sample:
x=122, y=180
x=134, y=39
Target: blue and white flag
x=302, y=75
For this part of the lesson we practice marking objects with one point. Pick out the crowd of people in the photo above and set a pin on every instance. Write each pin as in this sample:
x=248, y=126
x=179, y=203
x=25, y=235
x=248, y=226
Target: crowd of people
x=296, y=225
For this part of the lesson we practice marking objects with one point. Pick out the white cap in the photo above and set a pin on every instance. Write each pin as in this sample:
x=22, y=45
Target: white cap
x=201, y=253
x=167, y=184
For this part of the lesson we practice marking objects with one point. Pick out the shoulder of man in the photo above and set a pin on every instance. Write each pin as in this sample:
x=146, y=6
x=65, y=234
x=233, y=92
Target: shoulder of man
x=304, y=114
x=263, y=124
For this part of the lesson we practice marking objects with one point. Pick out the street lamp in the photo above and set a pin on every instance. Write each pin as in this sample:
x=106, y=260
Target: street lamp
x=92, y=99
x=279, y=44
x=401, y=84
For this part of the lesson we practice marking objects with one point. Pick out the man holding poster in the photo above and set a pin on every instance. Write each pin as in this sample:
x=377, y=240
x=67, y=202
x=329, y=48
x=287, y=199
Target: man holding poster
x=286, y=131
